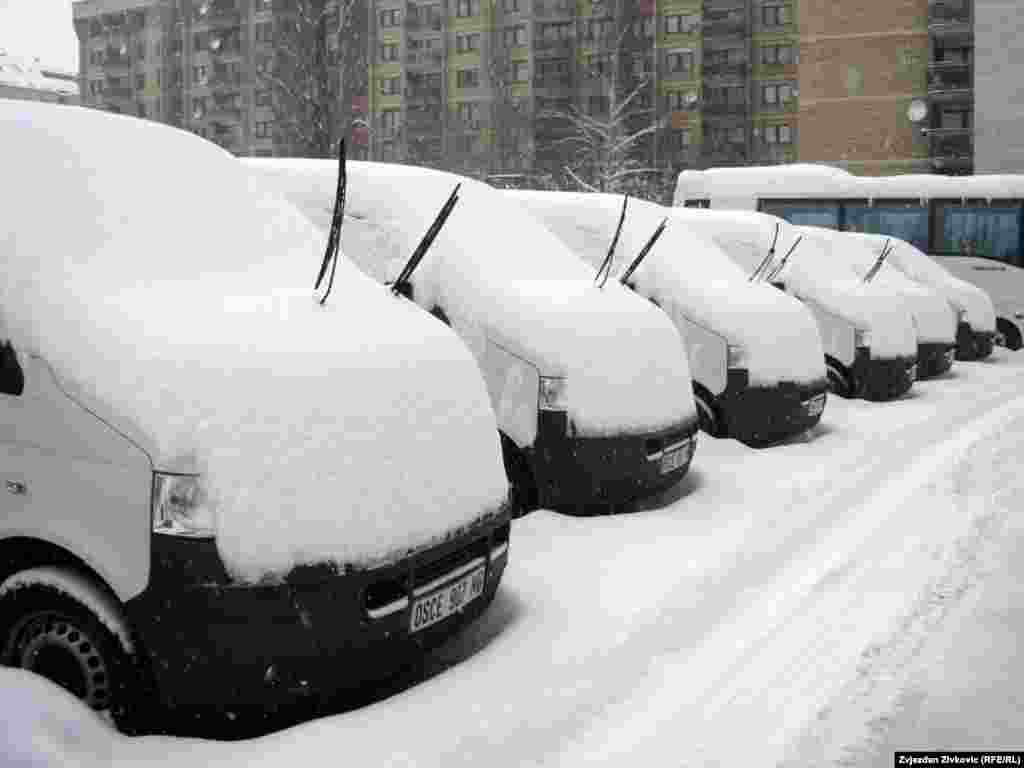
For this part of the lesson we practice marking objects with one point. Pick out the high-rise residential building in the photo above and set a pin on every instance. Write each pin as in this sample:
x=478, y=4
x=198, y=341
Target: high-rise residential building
x=998, y=97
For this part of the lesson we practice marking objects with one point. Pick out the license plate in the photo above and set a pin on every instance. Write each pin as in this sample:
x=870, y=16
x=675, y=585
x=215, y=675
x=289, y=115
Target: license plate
x=815, y=405
x=670, y=462
x=447, y=600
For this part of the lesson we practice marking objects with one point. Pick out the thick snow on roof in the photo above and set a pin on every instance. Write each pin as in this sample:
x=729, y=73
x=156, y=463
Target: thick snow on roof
x=499, y=273
x=1003, y=282
x=918, y=266
x=811, y=274
x=141, y=263
x=690, y=275
x=23, y=73
x=933, y=314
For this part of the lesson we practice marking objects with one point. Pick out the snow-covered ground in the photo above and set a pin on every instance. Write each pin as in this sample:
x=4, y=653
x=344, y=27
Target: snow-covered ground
x=801, y=605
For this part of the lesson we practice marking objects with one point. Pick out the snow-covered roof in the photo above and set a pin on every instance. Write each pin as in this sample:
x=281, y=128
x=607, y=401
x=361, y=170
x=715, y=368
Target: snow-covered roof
x=348, y=432
x=688, y=274
x=24, y=73
x=500, y=274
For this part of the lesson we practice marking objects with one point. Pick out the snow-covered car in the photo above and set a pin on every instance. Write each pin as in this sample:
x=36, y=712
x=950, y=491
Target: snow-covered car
x=869, y=340
x=219, y=491
x=592, y=397
x=755, y=355
x=1004, y=285
x=973, y=307
x=935, y=319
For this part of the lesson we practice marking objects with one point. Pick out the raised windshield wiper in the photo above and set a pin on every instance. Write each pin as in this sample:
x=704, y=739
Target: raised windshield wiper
x=783, y=261
x=767, y=259
x=877, y=266
x=643, y=252
x=606, y=265
x=334, y=238
x=401, y=284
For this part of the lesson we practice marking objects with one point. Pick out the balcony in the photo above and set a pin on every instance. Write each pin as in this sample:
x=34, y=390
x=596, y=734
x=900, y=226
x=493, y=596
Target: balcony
x=718, y=155
x=719, y=108
x=552, y=10
x=223, y=80
x=226, y=108
x=418, y=22
x=724, y=68
x=225, y=47
x=421, y=60
x=952, y=149
x=424, y=120
x=720, y=25
x=950, y=20
x=416, y=95
x=116, y=59
x=217, y=13
x=950, y=82
x=562, y=47
x=557, y=81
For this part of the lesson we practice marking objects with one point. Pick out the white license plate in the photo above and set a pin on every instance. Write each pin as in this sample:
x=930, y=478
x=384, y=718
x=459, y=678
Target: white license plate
x=447, y=600
x=815, y=405
x=670, y=462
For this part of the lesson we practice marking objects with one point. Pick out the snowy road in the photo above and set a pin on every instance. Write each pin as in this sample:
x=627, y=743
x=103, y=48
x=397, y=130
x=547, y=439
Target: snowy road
x=778, y=607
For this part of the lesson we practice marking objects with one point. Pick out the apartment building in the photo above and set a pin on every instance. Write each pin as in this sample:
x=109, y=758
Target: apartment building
x=998, y=97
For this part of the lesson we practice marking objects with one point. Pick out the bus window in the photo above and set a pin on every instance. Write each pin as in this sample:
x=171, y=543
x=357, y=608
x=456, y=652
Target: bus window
x=804, y=212
x=906, y=221
x=980, y=230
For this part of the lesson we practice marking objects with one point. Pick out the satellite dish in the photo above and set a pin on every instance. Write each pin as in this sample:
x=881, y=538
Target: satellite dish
x=917, y=111
x=197, y=114
x=215, y=44
x=690, y=99
x=204, y=9
x=123, y=50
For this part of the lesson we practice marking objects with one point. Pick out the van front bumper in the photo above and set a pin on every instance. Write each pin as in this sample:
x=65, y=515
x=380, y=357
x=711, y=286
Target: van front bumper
x=934, y=359
x=972, y=344
x=218, y=645
x=595, y=474
x=882, y=378
x=760, y=416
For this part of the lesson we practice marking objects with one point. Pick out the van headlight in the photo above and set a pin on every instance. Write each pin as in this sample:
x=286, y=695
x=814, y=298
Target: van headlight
x=181, y=506
x=553, y=395
x=735, y=356
x=861, y=338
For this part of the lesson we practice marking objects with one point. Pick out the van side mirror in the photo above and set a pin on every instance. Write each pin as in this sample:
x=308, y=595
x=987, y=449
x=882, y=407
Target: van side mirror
x=12, y=378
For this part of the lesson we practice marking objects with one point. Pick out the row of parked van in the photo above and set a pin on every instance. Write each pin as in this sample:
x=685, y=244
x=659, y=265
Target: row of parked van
x=220, y=490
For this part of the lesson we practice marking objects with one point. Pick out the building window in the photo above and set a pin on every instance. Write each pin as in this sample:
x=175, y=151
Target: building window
x=641, y=64
x=778, y=93
x=515, y=35
x=597, y=29
x=467, y=8
x=682, y=100
x=263, y=98
x=140, y=51
x=390, y=86
x=469, y=113
x=520, y=71
x=775, y=15
x=391, y=18
x=644, y=27
x=264, y=129
x=467, y=78
x=389, y=52
x=779, y=54
x=681, y=24
x=389, y=122
x=199, y=74
x=198, y=41
x=679, y=61
x=554, y=32
x=198, y=106
x=682, y=138
x=778, y=134
x=511, y=6
x=159, y=73
x=140, y=82
x=264, y=32
x=467, y=42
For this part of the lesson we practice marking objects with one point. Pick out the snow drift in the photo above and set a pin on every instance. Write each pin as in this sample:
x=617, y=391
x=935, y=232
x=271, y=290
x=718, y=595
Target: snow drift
x=810, y=274
x=143, y=267
x=922, y=269
x=689, y=275
x=500, y=275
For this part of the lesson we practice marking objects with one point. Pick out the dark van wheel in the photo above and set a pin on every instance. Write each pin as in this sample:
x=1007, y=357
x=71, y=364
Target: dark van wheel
x=520, y=478
x=838, y=378
x=54, y=635
x=707, y=414
x=1011, y=335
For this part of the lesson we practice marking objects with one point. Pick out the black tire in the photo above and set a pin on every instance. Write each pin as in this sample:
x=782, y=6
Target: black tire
x=523, y=487
x=1011, y=335
x=54, y=635
x=838, y=379
x=707, y=414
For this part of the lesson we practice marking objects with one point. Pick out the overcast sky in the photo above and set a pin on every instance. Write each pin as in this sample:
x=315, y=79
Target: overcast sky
x=39, y=29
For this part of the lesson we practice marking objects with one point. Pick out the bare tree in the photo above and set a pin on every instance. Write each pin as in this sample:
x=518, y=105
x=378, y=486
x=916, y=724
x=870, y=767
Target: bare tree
x=317, y=72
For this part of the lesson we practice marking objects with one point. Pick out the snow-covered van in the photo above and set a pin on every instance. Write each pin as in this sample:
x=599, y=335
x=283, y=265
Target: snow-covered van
x=592, y=395
x=973, y=308
x=1003, y=283
x=869, y=340
x=218, y=491
x=755, y=355
x=935, y=319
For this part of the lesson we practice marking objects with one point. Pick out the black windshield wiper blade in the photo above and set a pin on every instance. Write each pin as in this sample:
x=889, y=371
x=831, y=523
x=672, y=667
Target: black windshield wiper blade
x=643, y=252
x=783, y=261
x=767, y=259
x=428, y=240
x=877, y=266
x=334, y=237
x=606, y=265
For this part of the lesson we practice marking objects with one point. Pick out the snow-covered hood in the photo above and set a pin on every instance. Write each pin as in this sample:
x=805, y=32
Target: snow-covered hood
x=502, y=276
x=934, y=317
x=691, y=275
x=810, y=274
x=919, y=267
x=347, y=433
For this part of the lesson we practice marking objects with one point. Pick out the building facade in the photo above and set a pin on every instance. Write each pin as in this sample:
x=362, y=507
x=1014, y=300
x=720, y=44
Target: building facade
x=999, y=103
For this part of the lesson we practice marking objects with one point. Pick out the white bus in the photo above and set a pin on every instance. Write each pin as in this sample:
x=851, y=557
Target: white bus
x=972, y=225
